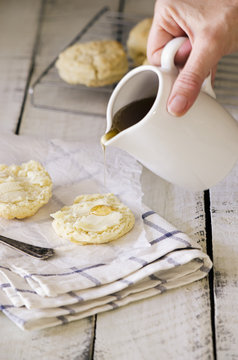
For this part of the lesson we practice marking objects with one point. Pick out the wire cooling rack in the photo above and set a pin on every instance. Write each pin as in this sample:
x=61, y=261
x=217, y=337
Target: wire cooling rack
x=52, y=93
x=226, y=83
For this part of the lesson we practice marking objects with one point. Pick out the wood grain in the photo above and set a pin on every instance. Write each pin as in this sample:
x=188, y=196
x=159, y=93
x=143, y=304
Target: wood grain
x=224, y=218
x=70, y=341
x=224, y=212
x=18, y=29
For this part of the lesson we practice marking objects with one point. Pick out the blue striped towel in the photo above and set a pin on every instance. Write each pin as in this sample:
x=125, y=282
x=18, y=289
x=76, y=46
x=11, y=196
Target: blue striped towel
x=85, y=280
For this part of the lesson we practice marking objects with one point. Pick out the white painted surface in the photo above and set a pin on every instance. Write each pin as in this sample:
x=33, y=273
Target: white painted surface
x=18, y=29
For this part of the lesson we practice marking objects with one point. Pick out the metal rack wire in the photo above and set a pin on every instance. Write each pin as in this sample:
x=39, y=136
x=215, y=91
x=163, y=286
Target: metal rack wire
x=226, y=83
x=79, y=99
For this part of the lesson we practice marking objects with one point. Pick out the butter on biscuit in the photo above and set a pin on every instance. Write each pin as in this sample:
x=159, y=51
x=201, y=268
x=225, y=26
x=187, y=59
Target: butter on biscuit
x=93, y=219
x=23, y=189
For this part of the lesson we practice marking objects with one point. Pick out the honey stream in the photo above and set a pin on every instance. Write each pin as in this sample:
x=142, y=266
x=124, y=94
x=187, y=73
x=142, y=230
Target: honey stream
x=110, y=134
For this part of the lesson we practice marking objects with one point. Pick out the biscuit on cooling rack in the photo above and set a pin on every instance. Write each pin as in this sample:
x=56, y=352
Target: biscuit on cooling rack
x=137, y=41
x=94, y=63
x=93, y=219
x=23, y=189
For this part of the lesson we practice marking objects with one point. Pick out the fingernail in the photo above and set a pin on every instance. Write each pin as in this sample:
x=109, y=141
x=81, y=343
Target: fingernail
x=177, y=105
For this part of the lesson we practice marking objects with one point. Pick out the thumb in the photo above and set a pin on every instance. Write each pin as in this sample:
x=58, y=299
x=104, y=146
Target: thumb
x=188, y=83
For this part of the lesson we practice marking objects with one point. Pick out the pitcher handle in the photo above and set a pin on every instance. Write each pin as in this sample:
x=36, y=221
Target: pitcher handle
x=207, y=86
x=167, y=62
x=168, y=53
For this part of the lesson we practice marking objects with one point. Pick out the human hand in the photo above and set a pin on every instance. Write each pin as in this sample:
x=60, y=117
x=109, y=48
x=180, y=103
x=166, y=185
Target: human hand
x=212, y=30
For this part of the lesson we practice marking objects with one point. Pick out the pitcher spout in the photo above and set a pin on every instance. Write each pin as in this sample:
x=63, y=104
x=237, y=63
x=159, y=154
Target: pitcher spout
x=108, y=136
x=130, y=105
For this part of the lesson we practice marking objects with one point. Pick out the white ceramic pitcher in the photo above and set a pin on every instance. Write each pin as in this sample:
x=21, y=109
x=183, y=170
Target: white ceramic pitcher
x=194, y=151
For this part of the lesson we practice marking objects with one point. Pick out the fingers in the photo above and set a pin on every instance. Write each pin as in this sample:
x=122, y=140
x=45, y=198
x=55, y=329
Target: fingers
x=163, y=29
x=198, y=59
x=155, y=48
x=188, y=83
x=183, y=53
x=157, y=39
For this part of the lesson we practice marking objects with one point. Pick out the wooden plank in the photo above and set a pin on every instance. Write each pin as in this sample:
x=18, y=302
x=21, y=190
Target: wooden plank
x=18, y=28
x=173, y=325
x=148, y=329
x=224, y=211
x=70, y=341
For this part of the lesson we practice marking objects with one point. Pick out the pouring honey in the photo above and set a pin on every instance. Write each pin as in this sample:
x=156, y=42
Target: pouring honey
x=194, y=151
x=128, y=116
x=124, y=118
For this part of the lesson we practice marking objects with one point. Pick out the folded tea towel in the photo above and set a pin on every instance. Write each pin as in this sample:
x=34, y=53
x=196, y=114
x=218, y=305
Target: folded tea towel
x=80, y=281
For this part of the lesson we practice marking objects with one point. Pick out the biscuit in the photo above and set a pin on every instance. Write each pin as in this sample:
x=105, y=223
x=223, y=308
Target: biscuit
x=137, y=41
x=146, y=62
x=93, y=219
x=23, y=189
x=95, y=63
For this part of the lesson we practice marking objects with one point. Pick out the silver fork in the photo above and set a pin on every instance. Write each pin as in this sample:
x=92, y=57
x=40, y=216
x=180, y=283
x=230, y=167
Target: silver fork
x=32, y=250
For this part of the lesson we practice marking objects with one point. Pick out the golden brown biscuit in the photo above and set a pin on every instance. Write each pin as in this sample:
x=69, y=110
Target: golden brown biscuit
x=93, y=219
x=23, y=189
x=95, y=63
x=137, y=41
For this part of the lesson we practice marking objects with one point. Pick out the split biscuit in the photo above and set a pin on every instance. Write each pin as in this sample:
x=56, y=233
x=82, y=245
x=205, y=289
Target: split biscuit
x=137, y=41
x=93, y=219
x=23, y=189
x=95, y=63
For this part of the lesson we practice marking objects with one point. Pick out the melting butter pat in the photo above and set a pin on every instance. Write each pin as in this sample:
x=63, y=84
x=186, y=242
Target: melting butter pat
x=12, y=192
x=101, y=210
x=98, y=223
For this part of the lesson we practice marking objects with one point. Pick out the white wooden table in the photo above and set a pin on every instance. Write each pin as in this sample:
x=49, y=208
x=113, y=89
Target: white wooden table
x=198, y=321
